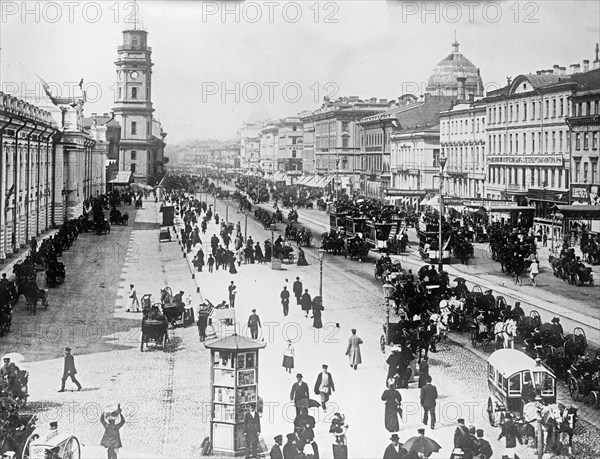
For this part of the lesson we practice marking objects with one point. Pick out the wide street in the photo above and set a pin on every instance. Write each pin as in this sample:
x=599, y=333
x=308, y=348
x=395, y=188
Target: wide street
x=165, y=395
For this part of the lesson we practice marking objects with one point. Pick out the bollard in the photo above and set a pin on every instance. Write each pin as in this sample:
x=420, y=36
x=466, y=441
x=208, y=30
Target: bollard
x=197, y=289
x=193, y=276
x=184, y=255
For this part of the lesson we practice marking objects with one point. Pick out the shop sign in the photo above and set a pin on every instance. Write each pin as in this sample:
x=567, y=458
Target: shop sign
x=537, y=160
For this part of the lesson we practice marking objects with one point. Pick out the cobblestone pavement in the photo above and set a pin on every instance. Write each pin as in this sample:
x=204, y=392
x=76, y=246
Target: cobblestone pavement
x=165, y=395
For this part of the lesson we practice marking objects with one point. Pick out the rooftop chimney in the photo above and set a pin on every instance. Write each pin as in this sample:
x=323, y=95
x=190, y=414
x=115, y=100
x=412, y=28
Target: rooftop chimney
x=597, y=60
x=563, y=70
x=586, y=65
x=461, y=88
x=94, y=114
x=105, y=114
x=574, y=68
x=556, y=69
x=539, y=72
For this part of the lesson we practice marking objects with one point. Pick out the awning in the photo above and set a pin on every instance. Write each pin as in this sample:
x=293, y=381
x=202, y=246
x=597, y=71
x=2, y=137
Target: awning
x=510, y=208
x=279, y=176
x=323, y=181
x=579, y=212
x=303, y=180
x=122, y=178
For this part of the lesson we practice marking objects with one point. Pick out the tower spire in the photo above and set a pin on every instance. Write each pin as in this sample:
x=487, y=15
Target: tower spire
x=455, y=44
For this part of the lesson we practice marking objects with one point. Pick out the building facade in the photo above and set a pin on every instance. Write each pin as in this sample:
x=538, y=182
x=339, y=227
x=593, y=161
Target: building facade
x=290, y=146
x=250, y=145
x=463, y=142
x=584, y=126
x=142, y=139
x=333, y=136
x=269, y=148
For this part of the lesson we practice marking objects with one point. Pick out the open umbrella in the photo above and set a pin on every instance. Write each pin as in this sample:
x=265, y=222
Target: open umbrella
x=421, y=444
x=308, y=403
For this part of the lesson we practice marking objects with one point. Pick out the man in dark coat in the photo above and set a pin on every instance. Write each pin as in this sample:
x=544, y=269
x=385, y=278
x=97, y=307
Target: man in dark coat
x=428, y=401
x=203, y=315
x=324, y=386
x=460, y=434
x=298, y=290
x=285, y=300
x=276, y=452
x=251, y=431
x=111, y=439
x=306, y=302
x=394, y=450
x=69, y=370
x=254, y=324
x=485, y=449
x=289, y=449
x=299, y=392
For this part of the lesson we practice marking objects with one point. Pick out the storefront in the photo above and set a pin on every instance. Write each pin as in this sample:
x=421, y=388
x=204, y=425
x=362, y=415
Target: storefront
x=408, y=198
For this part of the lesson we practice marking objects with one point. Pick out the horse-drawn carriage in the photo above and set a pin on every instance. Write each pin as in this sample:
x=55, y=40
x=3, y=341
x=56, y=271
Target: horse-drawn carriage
x=568, y=267
x=584, y=381
x=55, y=274
x=52, y=444
x=173, y=306
x=118, y=218
x=156, y=330
x=284, y=252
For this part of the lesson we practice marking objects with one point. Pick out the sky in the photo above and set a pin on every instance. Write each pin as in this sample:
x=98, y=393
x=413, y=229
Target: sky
x=220, y=64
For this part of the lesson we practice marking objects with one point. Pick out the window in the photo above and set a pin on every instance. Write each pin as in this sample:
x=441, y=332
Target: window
x=596, y=108
x=120, y=92
x=524, y=111
x=585, y=172
x=547, y=109
x=553, y=108
x=516, y=112
x=134, y=93
x=345, y=142
x=578, y=141
x=133, y=155
x=577, y=170
x=293, y=153
x=344, y=126
x=533, y=109
x=546, y=142
x=595, y=140
x=514, y=385
x=586, y=144
x=560, y=141
x=294, y=128
x=510, y=118
x=588, y=108
x=294, y=139
x=562, y=107
x=533, y=142
x=147, y=93
x=134, y=42
x=553, y=141
x=517, y=143
x=133, y=128
x=133, y=168
x=594, y=171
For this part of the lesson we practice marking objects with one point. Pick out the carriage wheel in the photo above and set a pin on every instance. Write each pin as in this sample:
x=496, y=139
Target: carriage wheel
x=574, y=389
x=142, y=344
x=477, y=289
x=382, y=343
x=595, y=399
x=474, y=338
x=579, y=336
x=491, y=412
x=164, y=343
x=33, y=437
x=72, y=449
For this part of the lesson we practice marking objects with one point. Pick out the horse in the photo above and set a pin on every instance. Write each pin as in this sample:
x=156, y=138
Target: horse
x=557, y=419
x=441, y=323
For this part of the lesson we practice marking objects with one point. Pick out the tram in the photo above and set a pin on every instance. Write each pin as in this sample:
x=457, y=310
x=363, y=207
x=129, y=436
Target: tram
x=377, y=234
x=428, y=242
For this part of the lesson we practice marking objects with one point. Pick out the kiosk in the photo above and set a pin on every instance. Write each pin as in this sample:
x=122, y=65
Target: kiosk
x=234, y=386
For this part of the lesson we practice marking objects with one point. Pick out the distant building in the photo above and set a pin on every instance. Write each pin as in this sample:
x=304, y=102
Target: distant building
x=250, y=145
x=289, y=157
x=141, y=149
x=455, y=76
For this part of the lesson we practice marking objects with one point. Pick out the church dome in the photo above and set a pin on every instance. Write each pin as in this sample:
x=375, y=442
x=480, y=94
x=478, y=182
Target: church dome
x=444, y=77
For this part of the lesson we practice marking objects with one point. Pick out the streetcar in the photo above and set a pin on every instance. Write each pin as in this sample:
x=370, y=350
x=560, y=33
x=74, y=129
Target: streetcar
x=355, y=226
x=378, y=234
x=428, y=238
x=337, y=220
x=509, y=370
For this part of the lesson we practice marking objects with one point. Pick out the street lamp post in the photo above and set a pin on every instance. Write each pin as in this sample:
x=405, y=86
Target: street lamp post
x=388, y=294
x=539, y=383
x=443, y=160
x=245, y=224
x=321, y=257
x=227, y=210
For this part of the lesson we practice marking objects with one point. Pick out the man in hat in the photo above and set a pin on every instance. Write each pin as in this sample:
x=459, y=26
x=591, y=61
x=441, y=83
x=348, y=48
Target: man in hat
x=290, y=451
x=324, y=386
x=394, y=450
x=460, y=433
x=5, y=370
x=298, y=290
x=298, y=393
x=232, y=292
x=276, y=452
x=251, y=431
x=134, y=299
x=202, y=323
x=353, y=350
x=470, y=444
x=429, y=397
x=69, y=370
x=485, y=449
x=254, y=324
x=557, y=326
x=285, y=300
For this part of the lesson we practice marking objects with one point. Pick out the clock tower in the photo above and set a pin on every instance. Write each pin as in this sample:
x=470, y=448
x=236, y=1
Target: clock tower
x=133, y=108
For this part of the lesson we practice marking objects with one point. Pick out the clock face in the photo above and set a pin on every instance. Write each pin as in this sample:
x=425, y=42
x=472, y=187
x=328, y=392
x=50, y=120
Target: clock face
x=134, y=75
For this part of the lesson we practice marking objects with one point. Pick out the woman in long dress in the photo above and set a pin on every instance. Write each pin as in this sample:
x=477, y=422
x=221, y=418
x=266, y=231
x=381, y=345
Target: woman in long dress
x=288, y=357
x=317, y=308
x=301, y=258
x=393, y=400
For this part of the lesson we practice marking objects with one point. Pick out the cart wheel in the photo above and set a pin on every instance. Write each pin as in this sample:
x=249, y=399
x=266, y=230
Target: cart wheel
x=142, y=344
x=595, y=399
x=164, y=343
x=382, y=343
x=71, y=449
x=491, y=412
x=474, y=338
x=33, y=437
x=574, y=388
x=477, y=289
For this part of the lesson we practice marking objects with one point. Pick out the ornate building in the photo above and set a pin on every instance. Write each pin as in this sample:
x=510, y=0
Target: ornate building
x=142, y=144
x=455, y=76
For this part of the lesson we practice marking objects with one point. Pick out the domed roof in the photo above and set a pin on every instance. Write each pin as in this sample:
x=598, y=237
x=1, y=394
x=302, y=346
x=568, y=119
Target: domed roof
x=444, y=76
